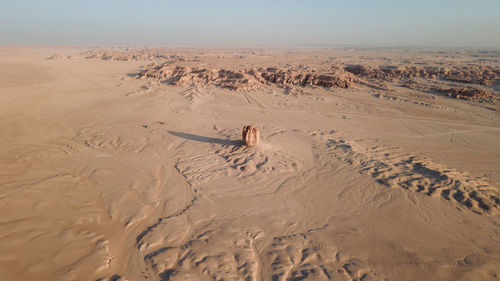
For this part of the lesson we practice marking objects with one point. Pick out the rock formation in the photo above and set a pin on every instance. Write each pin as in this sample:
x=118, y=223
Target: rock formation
x=247, y=79
x=250, y=135
x=470, y=94
x=475, y=94
x=131, y=55
x=295, y=77
x=470, y=74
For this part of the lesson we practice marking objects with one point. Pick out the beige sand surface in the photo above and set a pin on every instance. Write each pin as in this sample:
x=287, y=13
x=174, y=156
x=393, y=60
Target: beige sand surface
x=127, y=164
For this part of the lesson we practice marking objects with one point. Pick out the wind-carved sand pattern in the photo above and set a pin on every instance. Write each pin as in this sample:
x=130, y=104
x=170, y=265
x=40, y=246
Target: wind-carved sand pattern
x=193, y=255
x=293, y=257
x=96, y=140
x=229, y=157
x=303, y=256
x=415, y=174
x=175, y=249
x=197, y=96
x=133, y=138
x=202, y=256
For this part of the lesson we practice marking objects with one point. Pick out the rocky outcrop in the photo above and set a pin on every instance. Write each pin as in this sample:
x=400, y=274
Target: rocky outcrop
x=250, y=135
x=470, y=94
x=474, y=94
x=298, y=78
x=179, y=75
x=247, y=79
x=131, y=55
x=473, y=74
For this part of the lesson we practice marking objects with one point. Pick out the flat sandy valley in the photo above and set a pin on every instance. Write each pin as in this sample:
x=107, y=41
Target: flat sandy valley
x=128, y=164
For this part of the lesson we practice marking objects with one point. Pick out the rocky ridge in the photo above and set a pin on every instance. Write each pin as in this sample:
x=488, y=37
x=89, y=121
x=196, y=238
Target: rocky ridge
x=469, y=93
x=246, y=79
x=130, y=55
x=471, y=74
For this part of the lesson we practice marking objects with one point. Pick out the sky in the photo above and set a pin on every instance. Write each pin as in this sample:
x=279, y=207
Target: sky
x=271, y=23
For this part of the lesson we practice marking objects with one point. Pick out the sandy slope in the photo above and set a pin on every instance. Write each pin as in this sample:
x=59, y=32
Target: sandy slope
x=104, y=176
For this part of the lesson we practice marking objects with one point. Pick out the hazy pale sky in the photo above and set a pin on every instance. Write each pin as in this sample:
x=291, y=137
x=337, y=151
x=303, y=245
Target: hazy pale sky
x=433, y=23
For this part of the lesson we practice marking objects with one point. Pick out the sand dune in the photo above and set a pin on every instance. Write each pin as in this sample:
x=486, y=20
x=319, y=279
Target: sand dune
x=128, y=164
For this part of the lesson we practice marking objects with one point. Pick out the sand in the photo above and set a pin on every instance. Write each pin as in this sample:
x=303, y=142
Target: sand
x=128, y=164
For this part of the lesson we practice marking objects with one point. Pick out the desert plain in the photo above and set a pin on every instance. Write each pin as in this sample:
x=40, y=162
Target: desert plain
x=128, y=164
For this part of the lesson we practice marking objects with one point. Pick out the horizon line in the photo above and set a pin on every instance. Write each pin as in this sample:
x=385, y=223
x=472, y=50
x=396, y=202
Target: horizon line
x=256, y=46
